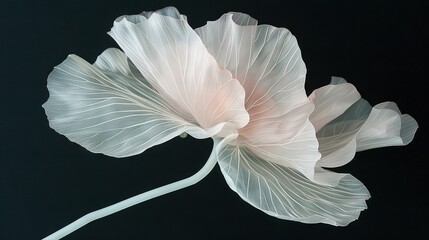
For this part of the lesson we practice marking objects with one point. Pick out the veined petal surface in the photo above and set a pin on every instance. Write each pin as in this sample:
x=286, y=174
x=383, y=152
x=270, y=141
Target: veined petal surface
x=363, y=127
x=330, y=102
x=243, y=19
x=300, y=153
x=267, y=62
x=109, y=107
x=386, y=126
x=175, y=62
x=287, y=194
x=337, y=139
x=167, y=11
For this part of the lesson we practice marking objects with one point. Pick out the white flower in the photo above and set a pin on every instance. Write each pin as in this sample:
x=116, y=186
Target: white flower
x=275, y=163
x=241, y=84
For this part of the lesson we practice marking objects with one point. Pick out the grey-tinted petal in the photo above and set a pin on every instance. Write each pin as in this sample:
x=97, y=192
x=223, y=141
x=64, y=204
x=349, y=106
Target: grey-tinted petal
x=243, y=19
x=337, y=139
x=330, y=102
x=363, y=127
x=287, y=194
x=108, y=110
x=386, y=126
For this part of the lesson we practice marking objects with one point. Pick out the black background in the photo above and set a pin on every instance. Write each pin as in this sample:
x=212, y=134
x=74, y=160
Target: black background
x=46, y=181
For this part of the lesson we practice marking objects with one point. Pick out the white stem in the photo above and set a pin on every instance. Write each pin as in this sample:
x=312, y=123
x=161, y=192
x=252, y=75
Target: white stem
x=135, y=200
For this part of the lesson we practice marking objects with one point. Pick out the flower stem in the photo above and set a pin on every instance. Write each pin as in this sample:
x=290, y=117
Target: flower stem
x=211, y=162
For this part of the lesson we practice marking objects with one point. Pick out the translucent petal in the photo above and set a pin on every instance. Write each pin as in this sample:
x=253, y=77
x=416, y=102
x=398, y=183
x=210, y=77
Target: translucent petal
x=408, y=128
x=108, y=109
x=267, y=62
x=167, y=11
x=386, y=126
x=174, y=61
x=115, y=61
x=285, y=193
x=337, y=80
x=327, y=178
x=243, y=19
x=362, y=127
x=260, y=57
x=300, y=153
x=330, y=102
x=337, y=139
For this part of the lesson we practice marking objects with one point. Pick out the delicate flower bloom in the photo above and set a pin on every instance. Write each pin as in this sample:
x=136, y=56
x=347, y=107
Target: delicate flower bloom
x=275, y=165
x=355, y=126
x=109, y=107
x=241, y=84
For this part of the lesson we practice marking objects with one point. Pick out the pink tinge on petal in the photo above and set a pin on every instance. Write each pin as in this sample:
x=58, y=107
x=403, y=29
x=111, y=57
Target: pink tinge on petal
x=300, y=152
x=172, y=58
x=268, y=121
x=267, y=61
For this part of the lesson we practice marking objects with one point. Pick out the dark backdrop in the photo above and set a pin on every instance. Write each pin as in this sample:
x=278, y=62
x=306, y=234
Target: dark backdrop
x=46, y=181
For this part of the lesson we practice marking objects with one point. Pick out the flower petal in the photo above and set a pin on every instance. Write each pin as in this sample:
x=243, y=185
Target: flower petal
x=115, y=61
x=285, y=193
x=108, y=108
x=362, y=127
x=167, y=11
x=243, y=19
x=267, y=62
x=337, y=139
x=386, y=126
x=174, y=61
x=300, y=153
x=327, y=178
x=330, y=102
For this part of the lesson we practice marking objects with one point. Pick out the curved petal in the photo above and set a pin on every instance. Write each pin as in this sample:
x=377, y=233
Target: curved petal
x=174, y=61
x=285, y=193
x=243, y=19
x=337, y=149
x=108, y=108
x=263, y=58
x=362, y=127
x=300, y=153
x=115, y=61
x=337, y=80
x=330, y=102
x=167, y=11
x=327, y=178
x=337, y=139
x=386, y=126
x=267, y=62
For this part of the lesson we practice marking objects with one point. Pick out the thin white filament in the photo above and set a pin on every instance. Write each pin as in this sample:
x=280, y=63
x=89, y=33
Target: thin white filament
x=204, y=171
